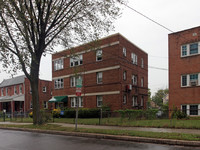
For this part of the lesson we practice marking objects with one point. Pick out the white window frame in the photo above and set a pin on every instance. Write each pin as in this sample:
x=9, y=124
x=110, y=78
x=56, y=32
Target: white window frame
x=134, y=58
x=124, y=75
x=134, y=99
x=99, y=54
x=20, y=89
x=188, y=49
x=142, y=82
x=58, y=64
x=59, y=83
x=44, y=89
x=2, y=92
x=76, y=60
x=73, y=80
x=99, y=77
x=31, y=105
x=124, y=51
x=124, y=98
x=142, y=63
x=74, y=101
x=45, y=103
x=134, y=79
x=188, y=81
x=6, y=91
x=15, y=89
x=99, y=99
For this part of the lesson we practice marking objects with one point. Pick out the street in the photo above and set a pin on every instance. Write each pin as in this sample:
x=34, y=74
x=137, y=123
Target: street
x=17, y=140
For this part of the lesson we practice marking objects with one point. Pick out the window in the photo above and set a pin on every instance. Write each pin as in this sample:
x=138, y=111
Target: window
x=124, y=75
x=184, y=50
x=124, y=99
x=99, y=77
x=58, y=64
x=2, y=92
x=142, y=82
x=76, y=60
x=76, y=100
x=45, y=103
x=134, y=79
x=193, y=79
x=135, y=101
x=58, y=83
x=20, y=89
x=15, y=90
x=30, y=90
x=73, y=80
x=184, y=80
x=44, y=89
x=142, y=101
x=184, y=109
x=31, y=105
x=142, y=63
x=6, y=91
x=134, y=58
x=99, y=101
x=124, y=51
x=193, y=109
x=98, y=55
x=194, y=48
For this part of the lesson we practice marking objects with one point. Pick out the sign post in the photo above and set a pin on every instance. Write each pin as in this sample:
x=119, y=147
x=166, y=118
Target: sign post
x=78, y=94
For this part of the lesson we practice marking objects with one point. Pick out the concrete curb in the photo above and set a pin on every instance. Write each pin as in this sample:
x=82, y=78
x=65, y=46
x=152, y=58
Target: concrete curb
x=113, y=137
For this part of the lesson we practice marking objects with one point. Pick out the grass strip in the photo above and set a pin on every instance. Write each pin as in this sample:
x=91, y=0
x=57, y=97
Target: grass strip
x=175, y=136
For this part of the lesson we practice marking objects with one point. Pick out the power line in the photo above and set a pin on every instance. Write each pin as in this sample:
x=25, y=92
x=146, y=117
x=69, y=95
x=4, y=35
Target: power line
x=148, y=18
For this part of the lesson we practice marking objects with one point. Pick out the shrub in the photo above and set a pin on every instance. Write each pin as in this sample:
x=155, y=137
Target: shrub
x=56, y=113
x=179, y=114
x=31, y=114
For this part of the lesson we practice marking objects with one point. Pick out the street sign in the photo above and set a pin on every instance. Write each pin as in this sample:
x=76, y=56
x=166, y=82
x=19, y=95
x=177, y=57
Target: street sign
x=78, y=91
x=79, y=83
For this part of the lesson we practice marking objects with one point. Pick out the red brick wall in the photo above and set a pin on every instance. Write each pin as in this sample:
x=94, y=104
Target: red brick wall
x=112, y=79
x=179, y=66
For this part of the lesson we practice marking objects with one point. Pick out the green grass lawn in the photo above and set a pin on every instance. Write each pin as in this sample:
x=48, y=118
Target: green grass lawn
x=177, y=136
x=193, y=123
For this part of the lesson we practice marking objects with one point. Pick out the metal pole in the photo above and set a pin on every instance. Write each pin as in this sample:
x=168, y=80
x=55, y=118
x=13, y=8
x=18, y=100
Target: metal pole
x=76, y=120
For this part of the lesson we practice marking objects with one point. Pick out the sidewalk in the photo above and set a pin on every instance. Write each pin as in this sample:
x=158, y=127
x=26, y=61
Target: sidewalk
x=168, y=130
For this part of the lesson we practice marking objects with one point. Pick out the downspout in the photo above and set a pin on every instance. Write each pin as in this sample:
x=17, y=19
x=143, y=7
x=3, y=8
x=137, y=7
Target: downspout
x=24, y=98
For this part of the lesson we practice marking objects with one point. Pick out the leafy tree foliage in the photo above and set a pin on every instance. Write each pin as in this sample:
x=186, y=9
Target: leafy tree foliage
x=159, y=95
x=31, y=28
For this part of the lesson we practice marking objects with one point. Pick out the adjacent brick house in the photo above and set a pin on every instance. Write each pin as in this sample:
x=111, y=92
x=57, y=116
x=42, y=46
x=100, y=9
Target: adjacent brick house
x=114, y=72
x=15, y=94
x=184, y=71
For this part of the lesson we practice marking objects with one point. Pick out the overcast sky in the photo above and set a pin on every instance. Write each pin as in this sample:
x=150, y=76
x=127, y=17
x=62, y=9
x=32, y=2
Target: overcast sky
x=176, y=15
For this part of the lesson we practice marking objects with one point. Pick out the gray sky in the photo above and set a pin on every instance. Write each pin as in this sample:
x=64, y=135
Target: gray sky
x=176, y=15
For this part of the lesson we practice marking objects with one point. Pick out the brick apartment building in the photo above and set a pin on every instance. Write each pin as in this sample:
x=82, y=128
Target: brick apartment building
x=114, y=72
x=15, y=94
x=184, y=71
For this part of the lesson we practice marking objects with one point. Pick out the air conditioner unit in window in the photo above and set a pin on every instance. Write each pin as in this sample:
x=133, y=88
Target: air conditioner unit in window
x=129, y=87
x=193, y=83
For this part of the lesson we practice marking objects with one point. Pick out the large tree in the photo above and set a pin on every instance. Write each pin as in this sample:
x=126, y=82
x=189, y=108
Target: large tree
x=31, y=28
x=159, y=95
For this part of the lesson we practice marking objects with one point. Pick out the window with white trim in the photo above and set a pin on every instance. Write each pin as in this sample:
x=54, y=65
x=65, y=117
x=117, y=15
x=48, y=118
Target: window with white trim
x=45, y=103
x=124, y=51
x=142, y=82
x=184, y=80
x=20, y=89
x=6, y=91
x=124, y=75
x=134, y=58
x=76, y=100
x=134, y=79
x=142, y=63
x=99, y=100
x=190, y=49
x=76, y=60
x=58, y=64
x=134, y=99
x=73, y=80
x=1, y=91
x=44, y=89
x=99, y=77
x=184, y=109
x=99, y=55
x=193, y=109
x=15, y=90
x=58, y=83
x=31, y=105
x=190, y=80
x=124, y=99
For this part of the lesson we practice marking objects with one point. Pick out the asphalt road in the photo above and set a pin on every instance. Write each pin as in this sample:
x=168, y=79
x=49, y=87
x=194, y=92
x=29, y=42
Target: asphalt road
x=17, y=140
